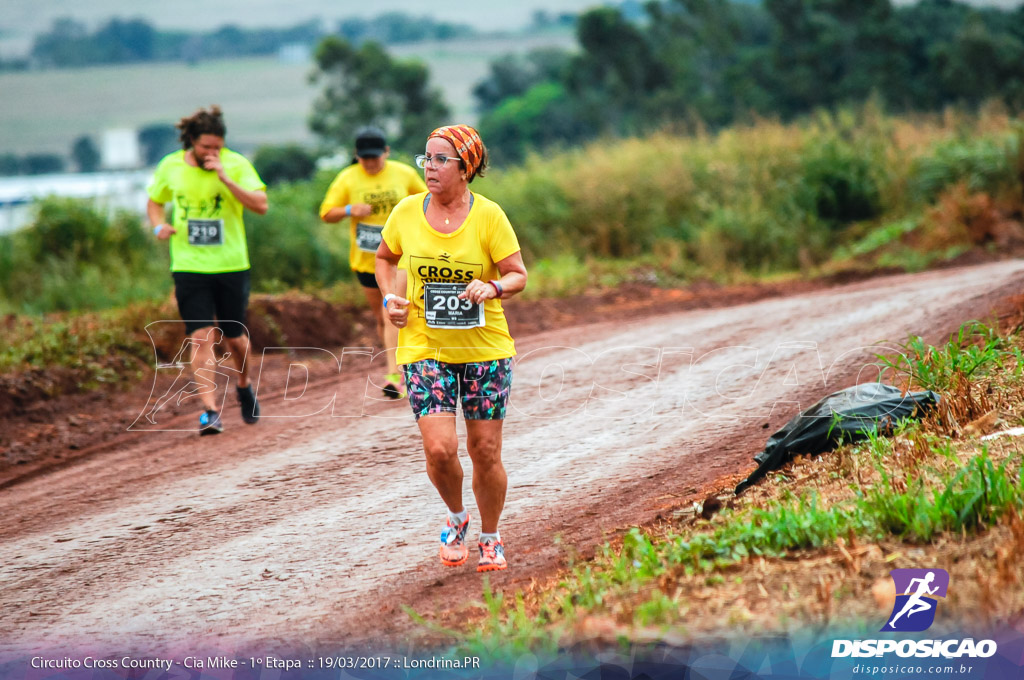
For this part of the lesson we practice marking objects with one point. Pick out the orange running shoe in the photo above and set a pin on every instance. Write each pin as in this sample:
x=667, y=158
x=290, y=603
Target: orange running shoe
x=454, y=550
x=492, y=556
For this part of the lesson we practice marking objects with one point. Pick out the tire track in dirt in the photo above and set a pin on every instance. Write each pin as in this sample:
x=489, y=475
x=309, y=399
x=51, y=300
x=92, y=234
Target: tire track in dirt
x=310, y=531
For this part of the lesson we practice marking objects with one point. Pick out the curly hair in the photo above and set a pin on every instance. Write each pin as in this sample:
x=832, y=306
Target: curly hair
x=202, y=122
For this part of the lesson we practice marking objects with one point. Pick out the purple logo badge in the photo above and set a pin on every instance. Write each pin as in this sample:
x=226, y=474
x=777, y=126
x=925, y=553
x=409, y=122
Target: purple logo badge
x=917, y=591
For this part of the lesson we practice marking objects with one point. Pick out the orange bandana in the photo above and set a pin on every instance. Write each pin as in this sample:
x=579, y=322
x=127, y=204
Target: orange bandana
x=467, y=144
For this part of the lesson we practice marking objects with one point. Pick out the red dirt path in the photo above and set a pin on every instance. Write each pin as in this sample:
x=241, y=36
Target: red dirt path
x=310, y=531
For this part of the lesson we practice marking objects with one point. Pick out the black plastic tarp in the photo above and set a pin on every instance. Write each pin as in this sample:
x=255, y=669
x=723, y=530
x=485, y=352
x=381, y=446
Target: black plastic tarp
x=839, y=418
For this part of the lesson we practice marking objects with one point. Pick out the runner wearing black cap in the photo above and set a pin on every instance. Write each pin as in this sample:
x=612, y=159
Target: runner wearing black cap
x=366, y=192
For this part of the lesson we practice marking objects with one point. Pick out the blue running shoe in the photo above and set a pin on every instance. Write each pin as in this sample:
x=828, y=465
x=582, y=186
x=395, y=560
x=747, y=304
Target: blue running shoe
x=209, y=423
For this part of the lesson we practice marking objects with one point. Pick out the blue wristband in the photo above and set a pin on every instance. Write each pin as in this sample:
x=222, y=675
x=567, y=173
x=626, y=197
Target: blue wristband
x=387, y=298
x=157, y=228
x=348, y=211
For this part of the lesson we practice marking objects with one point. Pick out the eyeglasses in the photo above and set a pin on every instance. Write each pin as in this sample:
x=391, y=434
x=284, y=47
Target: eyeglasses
x=435, y=161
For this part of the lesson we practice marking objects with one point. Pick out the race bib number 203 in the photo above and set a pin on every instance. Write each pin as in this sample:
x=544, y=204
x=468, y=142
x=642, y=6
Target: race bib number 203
x=443, y=308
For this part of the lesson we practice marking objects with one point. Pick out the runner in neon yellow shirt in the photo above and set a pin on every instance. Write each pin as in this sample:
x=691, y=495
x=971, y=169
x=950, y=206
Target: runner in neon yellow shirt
x=209, y=187
x=366, y=192
x=461, y=255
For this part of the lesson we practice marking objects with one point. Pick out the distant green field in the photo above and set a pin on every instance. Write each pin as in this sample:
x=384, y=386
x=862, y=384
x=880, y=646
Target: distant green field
x=265, y=100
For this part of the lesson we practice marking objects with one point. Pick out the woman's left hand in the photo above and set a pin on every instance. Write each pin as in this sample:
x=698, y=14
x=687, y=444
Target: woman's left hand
x=478, y=291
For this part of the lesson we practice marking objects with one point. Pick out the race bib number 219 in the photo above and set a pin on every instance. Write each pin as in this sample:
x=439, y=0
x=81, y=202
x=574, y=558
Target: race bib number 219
x=206, y=232
x=444, y=309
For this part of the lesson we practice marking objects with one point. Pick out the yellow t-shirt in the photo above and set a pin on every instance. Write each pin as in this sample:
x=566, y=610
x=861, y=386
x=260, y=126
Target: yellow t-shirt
x=440, y=265
x=210, y=236
x=383, y=191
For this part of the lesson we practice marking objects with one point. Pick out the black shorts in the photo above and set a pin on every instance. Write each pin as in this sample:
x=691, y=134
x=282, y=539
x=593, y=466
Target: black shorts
x=367, y=280
x=203, y=298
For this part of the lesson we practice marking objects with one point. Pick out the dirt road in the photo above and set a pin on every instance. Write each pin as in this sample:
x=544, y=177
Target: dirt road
x=309, y=531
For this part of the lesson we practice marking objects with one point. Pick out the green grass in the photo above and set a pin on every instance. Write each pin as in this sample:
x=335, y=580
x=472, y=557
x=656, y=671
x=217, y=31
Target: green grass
x=74, y=257
x=984, y=164
x=880, y=237
x=100, y=348
x=569, y=275
x=974, y=349
x=974, y=496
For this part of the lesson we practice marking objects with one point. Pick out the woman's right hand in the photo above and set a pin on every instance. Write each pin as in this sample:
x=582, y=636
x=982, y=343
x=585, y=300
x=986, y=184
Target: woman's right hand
x=398, y=311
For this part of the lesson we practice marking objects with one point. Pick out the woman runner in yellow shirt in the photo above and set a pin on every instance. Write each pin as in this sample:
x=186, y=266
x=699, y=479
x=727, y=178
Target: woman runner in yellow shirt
x=462, y=256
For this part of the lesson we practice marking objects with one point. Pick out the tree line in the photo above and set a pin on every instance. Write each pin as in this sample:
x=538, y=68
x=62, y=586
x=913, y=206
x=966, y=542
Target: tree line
x=69, y=43
x=681, y=65
x=688, y=63
x=685, y=64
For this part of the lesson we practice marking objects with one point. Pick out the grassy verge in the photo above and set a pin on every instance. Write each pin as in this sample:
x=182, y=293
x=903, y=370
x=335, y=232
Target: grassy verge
x=850, y=189
x=94, y=349
x=812, y=546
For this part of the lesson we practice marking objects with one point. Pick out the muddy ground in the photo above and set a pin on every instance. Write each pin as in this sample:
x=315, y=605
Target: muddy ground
x=310, y=531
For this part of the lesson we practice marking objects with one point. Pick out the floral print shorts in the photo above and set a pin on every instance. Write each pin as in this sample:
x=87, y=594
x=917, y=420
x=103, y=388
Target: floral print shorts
x=436, y=386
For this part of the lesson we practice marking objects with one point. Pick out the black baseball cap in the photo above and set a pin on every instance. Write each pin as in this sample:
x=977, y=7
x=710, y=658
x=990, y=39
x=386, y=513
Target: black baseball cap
x=370, y=142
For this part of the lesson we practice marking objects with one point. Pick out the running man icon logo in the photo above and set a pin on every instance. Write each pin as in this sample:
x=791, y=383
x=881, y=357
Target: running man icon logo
x=916, y=593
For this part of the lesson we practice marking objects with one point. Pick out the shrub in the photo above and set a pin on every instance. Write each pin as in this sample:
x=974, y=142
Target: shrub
x=762, y=198
x=838, y=184
x=285, y=163
x=73, y=257
x=989, y=164
x=290, y=247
